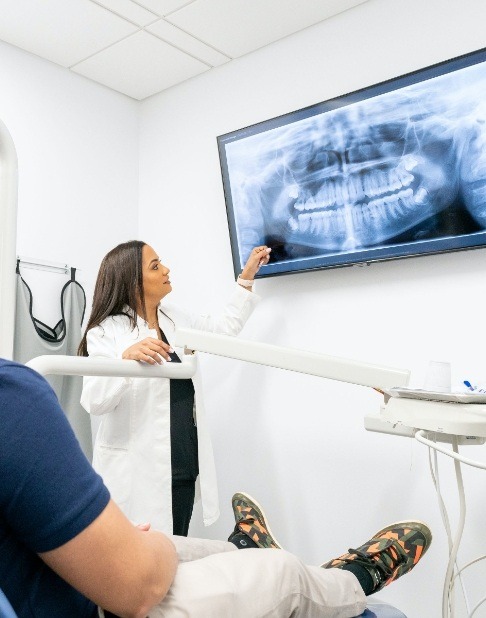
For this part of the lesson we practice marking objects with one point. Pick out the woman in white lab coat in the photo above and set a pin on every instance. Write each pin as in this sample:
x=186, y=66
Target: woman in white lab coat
x=152, y=442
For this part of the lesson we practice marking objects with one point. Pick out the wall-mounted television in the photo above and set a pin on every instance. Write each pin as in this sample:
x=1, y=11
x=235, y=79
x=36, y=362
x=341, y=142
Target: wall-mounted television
x=393, y=170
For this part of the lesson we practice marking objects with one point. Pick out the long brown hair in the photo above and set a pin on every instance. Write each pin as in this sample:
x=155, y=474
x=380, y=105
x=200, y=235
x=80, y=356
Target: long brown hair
x=119, y=285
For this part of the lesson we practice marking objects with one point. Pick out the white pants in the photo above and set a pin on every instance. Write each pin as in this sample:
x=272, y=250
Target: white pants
x=216, y=580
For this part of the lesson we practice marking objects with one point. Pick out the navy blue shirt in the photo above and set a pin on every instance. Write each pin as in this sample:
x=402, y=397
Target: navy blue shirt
x=49, y=493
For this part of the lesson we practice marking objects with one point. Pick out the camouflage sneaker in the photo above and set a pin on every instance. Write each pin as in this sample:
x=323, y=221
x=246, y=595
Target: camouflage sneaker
x=391, y=553
x=250, y=520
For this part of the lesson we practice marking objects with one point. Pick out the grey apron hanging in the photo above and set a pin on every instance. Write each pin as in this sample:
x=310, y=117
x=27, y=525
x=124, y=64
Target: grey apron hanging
x=33, y=338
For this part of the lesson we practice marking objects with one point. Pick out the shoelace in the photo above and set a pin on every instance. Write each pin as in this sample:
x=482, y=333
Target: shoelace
x=251, y=520
x=382, y=570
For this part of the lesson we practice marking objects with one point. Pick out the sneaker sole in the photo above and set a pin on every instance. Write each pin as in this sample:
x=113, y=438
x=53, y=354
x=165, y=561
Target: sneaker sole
x=260, y=512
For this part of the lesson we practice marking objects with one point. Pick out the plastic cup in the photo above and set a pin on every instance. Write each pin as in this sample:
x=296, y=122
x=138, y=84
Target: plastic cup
x=438, y=377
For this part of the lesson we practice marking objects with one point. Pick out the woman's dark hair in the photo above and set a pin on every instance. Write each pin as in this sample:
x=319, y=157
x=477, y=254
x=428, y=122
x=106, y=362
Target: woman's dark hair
x=119, y=285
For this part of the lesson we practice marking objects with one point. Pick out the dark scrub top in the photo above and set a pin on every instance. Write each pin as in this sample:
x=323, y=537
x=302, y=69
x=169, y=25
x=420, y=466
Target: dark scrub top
x=183, y=432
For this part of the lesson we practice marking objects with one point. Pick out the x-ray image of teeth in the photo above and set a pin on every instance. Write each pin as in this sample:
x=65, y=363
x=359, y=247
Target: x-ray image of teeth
x=399, y=167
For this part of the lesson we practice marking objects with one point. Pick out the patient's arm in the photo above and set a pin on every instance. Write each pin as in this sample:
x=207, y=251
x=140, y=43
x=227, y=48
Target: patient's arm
x=117, y=565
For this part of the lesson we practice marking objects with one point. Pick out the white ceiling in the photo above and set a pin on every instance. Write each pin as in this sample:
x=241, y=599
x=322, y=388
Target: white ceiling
x=141, y=47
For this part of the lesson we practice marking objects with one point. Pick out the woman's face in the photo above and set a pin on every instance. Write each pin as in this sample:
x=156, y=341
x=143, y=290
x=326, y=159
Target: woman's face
x=156, y=282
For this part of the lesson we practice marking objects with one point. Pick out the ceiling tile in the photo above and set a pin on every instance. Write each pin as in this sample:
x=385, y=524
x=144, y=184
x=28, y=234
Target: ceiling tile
x=61, y=31
x=173, y=35
x=140, y=65
x=126, y=8
x=164, y=7
x=237, y=27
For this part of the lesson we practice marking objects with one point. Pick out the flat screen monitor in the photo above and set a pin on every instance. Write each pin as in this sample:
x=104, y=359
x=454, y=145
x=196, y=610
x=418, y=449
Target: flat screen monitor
x=393, y=170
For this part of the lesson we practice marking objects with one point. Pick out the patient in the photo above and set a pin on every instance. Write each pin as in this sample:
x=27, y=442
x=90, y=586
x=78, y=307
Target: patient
x=68, y=551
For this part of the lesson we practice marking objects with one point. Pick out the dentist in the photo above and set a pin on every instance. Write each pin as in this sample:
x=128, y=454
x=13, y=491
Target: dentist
x=152, y=444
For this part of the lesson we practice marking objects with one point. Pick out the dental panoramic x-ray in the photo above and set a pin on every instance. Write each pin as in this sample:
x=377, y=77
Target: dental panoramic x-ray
x=393, y=170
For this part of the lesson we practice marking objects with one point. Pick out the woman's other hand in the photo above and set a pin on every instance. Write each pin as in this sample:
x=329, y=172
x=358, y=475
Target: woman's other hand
x=259, y=256
x=149, y=350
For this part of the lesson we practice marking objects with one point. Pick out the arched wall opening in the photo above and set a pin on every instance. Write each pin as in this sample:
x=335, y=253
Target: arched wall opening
x=8, y=239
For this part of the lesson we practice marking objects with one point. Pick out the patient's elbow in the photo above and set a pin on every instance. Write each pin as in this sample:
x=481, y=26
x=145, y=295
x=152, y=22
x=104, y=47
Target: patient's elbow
x=157, y=582
x=153, y=597
x=145, y=598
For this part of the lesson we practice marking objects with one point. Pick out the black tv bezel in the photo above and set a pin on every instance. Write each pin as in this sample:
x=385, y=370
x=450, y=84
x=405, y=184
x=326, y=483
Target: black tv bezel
x=368, y=255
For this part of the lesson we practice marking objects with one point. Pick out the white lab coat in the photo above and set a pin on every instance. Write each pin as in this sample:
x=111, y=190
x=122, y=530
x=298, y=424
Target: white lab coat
x=132, y=446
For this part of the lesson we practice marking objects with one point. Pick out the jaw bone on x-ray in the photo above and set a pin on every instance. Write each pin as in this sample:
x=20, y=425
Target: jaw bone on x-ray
x=377, y=171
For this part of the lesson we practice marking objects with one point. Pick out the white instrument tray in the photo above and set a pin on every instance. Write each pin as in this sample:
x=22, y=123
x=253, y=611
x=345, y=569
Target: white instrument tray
x=417, y=393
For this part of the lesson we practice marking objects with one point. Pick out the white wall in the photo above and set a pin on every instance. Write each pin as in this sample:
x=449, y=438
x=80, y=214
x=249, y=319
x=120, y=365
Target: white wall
x=77, y=146
x=295, y=442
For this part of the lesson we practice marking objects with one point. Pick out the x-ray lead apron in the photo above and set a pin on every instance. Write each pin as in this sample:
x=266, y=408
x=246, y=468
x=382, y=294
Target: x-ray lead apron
x=33, y=338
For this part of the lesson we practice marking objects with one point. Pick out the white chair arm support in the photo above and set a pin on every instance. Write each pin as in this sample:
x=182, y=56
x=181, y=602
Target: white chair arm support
x=86, y=366
x=313, y=363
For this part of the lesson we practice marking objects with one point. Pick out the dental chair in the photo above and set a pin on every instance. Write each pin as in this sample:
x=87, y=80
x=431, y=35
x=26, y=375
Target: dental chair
x=263, y=354
x=377, y=609
x=6, y=610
